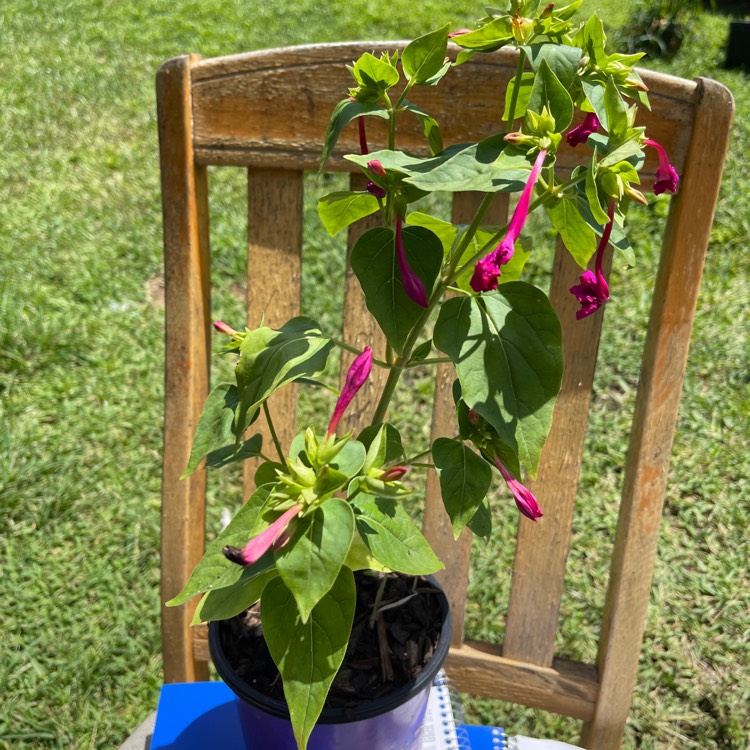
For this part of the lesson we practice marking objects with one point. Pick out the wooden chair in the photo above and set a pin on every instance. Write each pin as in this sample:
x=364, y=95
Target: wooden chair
x=245, y=111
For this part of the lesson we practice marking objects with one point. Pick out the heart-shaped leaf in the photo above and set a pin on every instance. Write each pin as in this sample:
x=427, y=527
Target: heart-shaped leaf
x=507, y=349
x=391, y=536
x=465, y=480
x=373, y=260
x=308, y=653
x=310, y=562
x=338, y=210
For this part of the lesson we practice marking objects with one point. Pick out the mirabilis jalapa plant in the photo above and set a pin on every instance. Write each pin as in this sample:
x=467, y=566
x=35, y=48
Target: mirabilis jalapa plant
x=331, y=504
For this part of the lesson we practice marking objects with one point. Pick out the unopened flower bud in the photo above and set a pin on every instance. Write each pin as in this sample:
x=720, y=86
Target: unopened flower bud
x=394, y=473
x=376, y=168
x=222, y=327
x=376, y=190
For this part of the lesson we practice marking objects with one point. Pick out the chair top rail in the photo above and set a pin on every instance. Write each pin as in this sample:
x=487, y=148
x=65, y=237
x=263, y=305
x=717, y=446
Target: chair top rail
x=271, y=108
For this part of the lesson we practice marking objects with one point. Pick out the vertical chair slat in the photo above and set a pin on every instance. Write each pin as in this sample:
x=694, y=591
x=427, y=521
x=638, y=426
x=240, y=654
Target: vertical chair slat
x=542, y=547
x=436, y=525
x=657, y=403
x=274, y=283
x=187, y=310
x=360, y=329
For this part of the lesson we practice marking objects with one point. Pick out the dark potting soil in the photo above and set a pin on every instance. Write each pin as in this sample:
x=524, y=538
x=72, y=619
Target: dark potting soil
x=379, y=659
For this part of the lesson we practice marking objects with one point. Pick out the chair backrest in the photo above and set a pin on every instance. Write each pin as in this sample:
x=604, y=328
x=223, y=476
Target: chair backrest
x=244, y=111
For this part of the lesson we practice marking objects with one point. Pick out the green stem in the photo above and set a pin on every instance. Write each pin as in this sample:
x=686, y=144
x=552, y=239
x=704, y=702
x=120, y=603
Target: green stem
x=378, y=599
x=430, y=361
x=272, y=430
x=469, y=234
x=516, y=88
x=354, y=350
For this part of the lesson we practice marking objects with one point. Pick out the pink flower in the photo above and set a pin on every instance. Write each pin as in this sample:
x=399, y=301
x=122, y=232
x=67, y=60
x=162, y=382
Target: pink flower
x=413, y=285
x=376, y=168
x=593, y=291
x=375, y=190
x=356, y=376
x=666, y=175
x=458, y=32
x=393, y=473
x=581, y=133
x=525, y=501
x=222, y=327
x=488, y=269
x=259, y=545
x=362, y=136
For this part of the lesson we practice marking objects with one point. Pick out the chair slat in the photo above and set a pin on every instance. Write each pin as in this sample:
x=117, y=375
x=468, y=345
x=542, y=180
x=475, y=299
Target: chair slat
x=542, y=547
x=274, y=282
x=657, y=403
x=436, y=524
x=360, y=329
x=187, y=310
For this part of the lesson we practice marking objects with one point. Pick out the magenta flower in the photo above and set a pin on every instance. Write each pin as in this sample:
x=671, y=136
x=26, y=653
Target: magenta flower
x=666, y=175
x=581, y=133
x=393, y=473
x=525, y=501
x=413, y=285
x=259, y=545
x=375, y=190
x=222, y=327
x=362, y=137
x=593, y=291
x=376, y=168
x=356, y=376
x=488, y=269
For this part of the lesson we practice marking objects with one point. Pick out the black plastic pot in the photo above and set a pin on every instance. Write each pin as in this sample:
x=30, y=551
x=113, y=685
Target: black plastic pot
x=392, y=722
x=738, y=46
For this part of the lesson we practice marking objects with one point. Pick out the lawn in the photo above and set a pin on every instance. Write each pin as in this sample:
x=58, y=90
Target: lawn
x=81, y=329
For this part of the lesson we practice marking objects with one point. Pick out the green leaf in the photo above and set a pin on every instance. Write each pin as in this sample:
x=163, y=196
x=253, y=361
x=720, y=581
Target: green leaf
x=524, y=92
x=270, y=359
x=491, y=36
x=373, y=260
x=308, y=653
x=343, y=113
x=424, y=57
x=392, y=537
x=421, y=352
x=310, y=562
x=214, y=570
x=223, y=603
x=374, y=72
x=394, y=450
x=483, y=166
x=465, y=480
x=359, y=557
x=562, y=59
x=350, y=458
x=578, y=236
x=214, y=428
x=338, y=210
x=229, y=454
x=594, y=90
x=507, y=348
x=481, y=522
x=549, y=92
x=618, y=122
x=430, y=128
x=593, y=195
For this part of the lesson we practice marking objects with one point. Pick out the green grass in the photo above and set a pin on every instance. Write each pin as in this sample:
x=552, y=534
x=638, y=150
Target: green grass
x=81, y=385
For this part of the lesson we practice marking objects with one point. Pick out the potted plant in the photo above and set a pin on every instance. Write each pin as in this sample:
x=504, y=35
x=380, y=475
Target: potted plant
x=314, y=566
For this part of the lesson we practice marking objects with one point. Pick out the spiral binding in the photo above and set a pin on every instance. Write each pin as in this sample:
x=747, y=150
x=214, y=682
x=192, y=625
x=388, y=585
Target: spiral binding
x=451, y=732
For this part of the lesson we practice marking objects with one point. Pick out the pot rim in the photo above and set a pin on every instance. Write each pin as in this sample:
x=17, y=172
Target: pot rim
x=366, y=709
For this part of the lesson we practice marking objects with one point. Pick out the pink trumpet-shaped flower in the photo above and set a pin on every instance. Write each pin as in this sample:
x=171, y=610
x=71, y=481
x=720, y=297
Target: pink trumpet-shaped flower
x=593, y=291
x=222, y=327
x=413, y=285
x=581, y=133
x=394, y=473
x=488, y=269
x=666, y=175
x=525, y=501
x=259, y=545
x=362, y=136
x=356, y=376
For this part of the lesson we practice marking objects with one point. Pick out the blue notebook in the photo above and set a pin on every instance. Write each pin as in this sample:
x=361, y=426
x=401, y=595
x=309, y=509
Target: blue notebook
x=203, y=715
